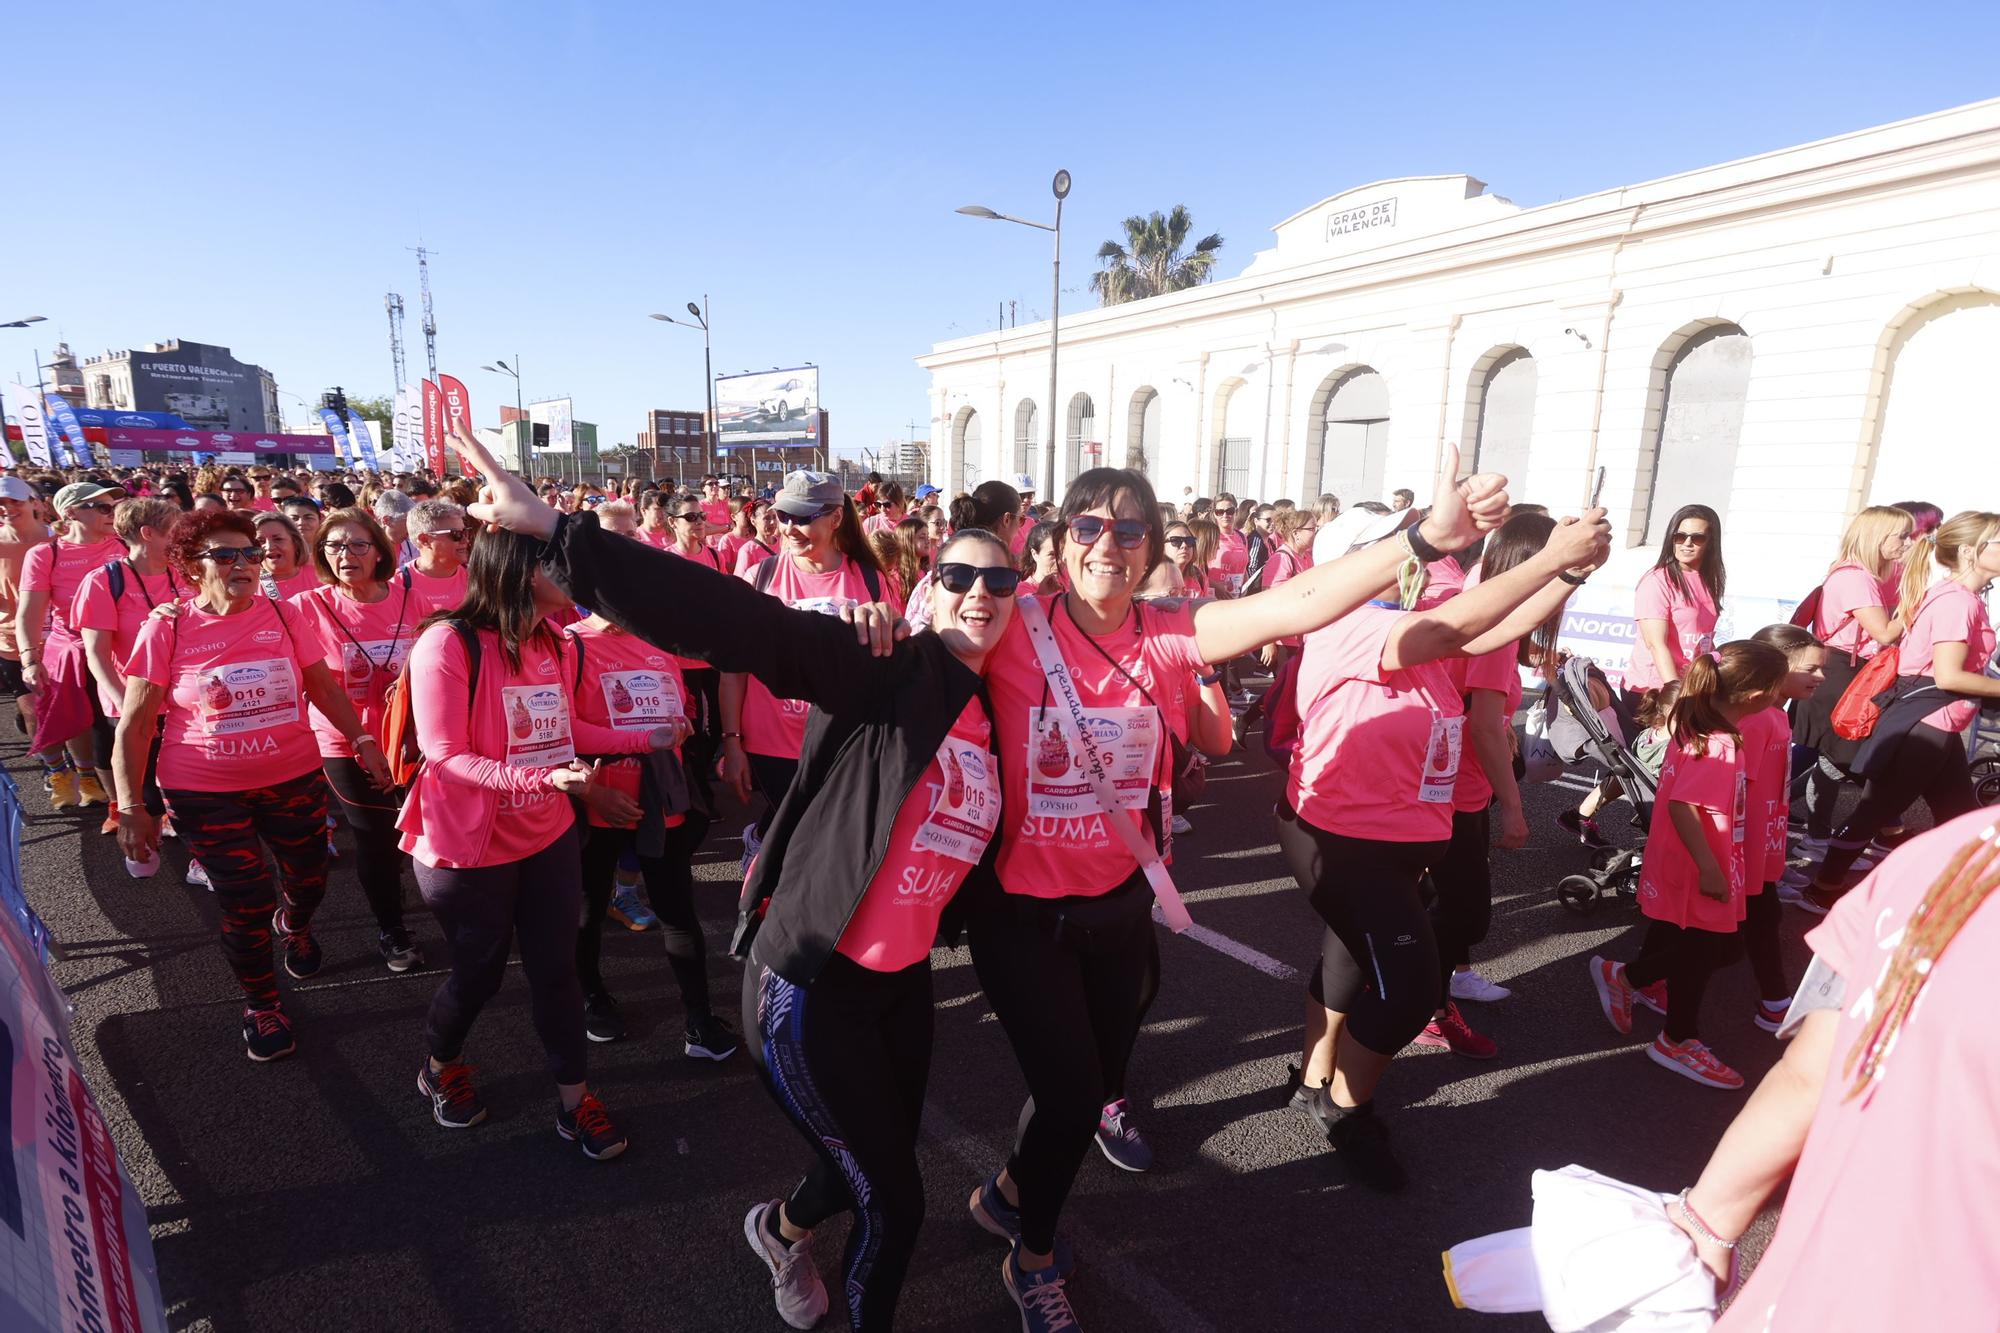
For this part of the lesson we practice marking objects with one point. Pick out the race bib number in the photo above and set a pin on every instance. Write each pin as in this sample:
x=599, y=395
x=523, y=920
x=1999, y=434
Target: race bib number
x=966, y=812
x=1128, y=740
x=1441, y=756
x=640, y=700
x=248, y=696
x=538, y=733
x=361, y=662
x=826, y=606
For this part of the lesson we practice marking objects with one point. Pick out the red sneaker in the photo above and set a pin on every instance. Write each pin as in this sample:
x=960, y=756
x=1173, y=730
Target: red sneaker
x=1452, y=1033
x=1691, y=1059
x=1614, y=993
x=1653, y=997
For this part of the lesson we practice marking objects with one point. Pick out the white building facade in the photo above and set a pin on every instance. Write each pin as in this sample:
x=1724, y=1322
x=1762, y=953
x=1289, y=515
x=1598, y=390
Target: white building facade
x=1786, y=338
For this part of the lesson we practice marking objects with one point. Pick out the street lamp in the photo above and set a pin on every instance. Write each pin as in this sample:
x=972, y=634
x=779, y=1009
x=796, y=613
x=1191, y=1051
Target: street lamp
x=1060, y=187
x=700, y=316
x=23, y=322
x=523, y=431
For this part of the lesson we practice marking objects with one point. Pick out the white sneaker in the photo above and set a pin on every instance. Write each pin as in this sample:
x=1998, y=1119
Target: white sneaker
x=198, y=877
x=1469, y=985
x=1181, y=824
x=795, y=1284
x=1813, y=849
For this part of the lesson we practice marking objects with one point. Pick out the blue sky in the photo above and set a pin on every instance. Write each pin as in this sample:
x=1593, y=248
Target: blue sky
x=250, y=175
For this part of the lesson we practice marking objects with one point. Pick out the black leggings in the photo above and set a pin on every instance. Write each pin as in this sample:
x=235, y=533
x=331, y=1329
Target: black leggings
x=704, y=709
x=1685, y=958
x=1378, y=960
x=1464, y=907
x=1760, y=941
x=772, y=777
x=847, y=1059
x=371, y=816
x=1069, y=979
x=1927, y=763
x=670, y=885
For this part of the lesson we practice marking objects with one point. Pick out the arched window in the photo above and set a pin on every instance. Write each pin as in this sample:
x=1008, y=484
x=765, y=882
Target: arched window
x=1940, y=434
x=970, y=444
x=1082, y=447
x=1232, y=446
x=1701, y=421
x=1142, y=430
x=1027, y=439
x=1352, y=426
x=1504, y=398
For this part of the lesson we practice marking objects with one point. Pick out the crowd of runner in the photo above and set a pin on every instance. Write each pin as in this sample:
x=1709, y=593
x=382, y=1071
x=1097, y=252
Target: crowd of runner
x=985, y=716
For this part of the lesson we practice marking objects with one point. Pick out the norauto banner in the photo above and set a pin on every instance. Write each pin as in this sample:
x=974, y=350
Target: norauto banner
x=231, y=446
x=63, y=418
x=434, y=428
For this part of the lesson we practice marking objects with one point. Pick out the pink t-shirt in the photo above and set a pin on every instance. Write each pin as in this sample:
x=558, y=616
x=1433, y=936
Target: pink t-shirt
x=58, y=568
x=1892, y=1219
x=628, y=685
x=364, y=645
x=303, y=579
x=727, y=548
x=938, y=836
x=1767, y=758
x=748, y=556
x=235, y=712
x=1443, y=580
x=264, y=504
x=658, y=538
x=1498, y=671
x=444, y=593
x=878, y=522
x=777, y=727
x=1379, y=750
x=717, y=512
x=1949, y=613
x=1232, y=561
x=1056, y=842
x=482, y=796
x=1717, y=782
x=1849, y=588
x=1690, y=621
x=95, y=609
x=1286, y=564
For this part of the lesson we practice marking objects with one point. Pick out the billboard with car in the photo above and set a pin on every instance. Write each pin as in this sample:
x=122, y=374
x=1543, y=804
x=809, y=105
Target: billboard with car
x=769, y=408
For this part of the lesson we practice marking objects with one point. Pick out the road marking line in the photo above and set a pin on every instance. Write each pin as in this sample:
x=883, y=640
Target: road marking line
x=1241, y=952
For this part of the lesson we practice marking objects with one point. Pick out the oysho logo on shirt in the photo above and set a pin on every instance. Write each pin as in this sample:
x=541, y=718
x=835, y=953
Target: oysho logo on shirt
x=201, y=649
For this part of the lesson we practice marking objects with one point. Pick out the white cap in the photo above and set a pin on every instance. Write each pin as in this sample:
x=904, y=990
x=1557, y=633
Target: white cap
x=13, y=488
x=1024, y=483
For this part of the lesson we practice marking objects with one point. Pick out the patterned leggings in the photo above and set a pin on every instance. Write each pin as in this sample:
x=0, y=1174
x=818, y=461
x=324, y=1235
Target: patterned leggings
x=223, y=830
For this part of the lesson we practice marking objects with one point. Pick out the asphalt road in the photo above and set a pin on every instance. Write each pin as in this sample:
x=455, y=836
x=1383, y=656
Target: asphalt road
x=317, y=1190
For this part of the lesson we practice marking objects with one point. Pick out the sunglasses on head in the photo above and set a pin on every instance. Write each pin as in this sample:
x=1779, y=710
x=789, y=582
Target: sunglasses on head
x=1691, y=539
x=1129, y=533
x=1000, y=580
x=234, y=555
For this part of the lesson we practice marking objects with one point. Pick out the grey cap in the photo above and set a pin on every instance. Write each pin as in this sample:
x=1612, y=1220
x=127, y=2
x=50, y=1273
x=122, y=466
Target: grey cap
x=807, y=494
x=13, y=488
x=83, y=492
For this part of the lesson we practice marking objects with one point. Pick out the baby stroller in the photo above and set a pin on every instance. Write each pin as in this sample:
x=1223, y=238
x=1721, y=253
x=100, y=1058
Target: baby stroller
x=1580, y=733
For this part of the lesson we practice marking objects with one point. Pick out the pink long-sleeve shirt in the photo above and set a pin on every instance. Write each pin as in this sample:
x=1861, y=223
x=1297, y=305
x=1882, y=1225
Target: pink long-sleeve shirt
x=482, y=795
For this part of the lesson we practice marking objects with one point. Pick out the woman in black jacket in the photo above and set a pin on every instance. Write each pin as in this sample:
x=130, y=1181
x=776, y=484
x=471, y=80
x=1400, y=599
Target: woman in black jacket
x=896, y=801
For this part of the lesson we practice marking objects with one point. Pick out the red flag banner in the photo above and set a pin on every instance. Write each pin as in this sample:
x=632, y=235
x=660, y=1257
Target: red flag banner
x=457, y=413
x=434, y=455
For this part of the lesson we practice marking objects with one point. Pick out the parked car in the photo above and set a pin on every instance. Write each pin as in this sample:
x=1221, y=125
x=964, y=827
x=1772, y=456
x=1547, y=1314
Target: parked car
x=790, y=398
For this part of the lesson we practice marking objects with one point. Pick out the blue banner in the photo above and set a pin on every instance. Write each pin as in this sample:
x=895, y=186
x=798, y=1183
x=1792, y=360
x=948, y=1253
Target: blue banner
x=71, y=430
x=108, y=417
x=338, y=430
x=364, y=441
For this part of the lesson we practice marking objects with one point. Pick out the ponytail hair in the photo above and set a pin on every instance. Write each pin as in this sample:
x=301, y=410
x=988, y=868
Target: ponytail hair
x=851, y=541
x=1787, y=638
x=1736, y=671
x=1946, y=544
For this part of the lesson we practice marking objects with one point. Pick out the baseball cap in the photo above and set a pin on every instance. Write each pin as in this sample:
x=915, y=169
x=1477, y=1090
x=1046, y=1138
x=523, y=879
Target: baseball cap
x=13, y=488
x=926, y=491
x=805, y=494
x=83, y=492
x=1024, y=483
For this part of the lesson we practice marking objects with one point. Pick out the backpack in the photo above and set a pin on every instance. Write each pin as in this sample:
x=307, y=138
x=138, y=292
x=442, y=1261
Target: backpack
x=767, y=569
x=1807, y=611
x=397, y=731
x=1857, y=711
x=1283, y=725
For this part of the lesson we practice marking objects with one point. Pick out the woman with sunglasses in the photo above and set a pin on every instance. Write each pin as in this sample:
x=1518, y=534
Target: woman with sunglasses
x=236, y=492
x=72, y=736
x=763, y=543
x=1067, y=953
x=824, y=564
x=288, y=569
x=688, y=519
x=363, y=613
x=1678, y=602
x=225, y=679
x=1181, y=555
x=443, y=539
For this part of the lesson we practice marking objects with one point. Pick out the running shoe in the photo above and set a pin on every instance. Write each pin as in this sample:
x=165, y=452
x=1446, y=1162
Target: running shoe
x=454, y=1104
x=302, y=952
x=110, y=824
x=1770, y=1014
x=1120, y=1141
x=1242, y=699
x=1652, y=997
x=167, y=829
x=63, y=793
x=1045, y=1306
x=332, y=848
x=1361, y=1144
x=601, y=1019
x=1454, y=1034
x=90, y=791
x=752, y=844
x=1817, y=900
x=708, y=1038
x=198, y=877
x=1614, y=993
x=590, y=1128
x=267, y=1035
x=1813, y=849
x=796, y=1287
x=1181, y=824
x=1583, y=830
x=990, y=1209
x=1469, y=985
x=629, y=912
x=1692, y=1059
x=399, y=952
x=1306, y=1101
x=1797, y=879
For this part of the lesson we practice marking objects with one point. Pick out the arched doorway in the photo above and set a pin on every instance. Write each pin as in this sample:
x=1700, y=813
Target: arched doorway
x=1234, y=420
x=1352, y=430
x=1082, y=448
x=1940, y=434
x=1142, y=430
x=968, y=442
x=1503, y=397
x=1028, y=439
x=1705, y=382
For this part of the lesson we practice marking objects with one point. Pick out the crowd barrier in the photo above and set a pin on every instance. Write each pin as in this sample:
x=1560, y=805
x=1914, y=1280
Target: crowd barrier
x=75, y=1253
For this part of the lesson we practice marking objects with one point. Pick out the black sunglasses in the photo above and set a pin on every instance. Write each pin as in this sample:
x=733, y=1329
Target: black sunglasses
x=1000, y=580
x=784, y=517
x=692, y=516
x=1691, y=538
x=1180, y=541
x=234, y=555
x=1129, y=533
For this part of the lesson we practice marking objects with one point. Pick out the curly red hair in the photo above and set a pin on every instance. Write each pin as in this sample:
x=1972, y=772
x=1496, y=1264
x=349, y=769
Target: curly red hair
x=195, y=532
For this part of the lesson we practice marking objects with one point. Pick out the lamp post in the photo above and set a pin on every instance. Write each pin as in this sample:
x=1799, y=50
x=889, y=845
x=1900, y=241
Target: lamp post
x=700, y=316
x=1060, y=187
x=524, y=432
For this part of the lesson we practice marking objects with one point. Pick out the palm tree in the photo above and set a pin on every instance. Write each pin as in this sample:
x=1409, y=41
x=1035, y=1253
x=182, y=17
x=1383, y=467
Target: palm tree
x=1150, y=262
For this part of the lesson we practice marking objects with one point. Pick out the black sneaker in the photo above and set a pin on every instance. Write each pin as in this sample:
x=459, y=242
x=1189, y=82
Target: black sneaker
x=399, y=952
x=1303, y=1099
x=601, y=1019
x=708, y=1038
x=1361, y=1141
x=302, y=953
x=590, y=1129
x=1583, y=830
x=453, y=1102
x=267, y=1035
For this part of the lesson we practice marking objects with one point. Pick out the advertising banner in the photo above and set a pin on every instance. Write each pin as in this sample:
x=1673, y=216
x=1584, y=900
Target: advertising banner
x=123, y=442
x=433, y=428
x=561, y=419
x=70, y=429
x=457, y=412
x=362, y=437
x=769, y=408
x=203, y=385
x=406, y=427
x=336, y=429
x=24, y=405
x=111, y=416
